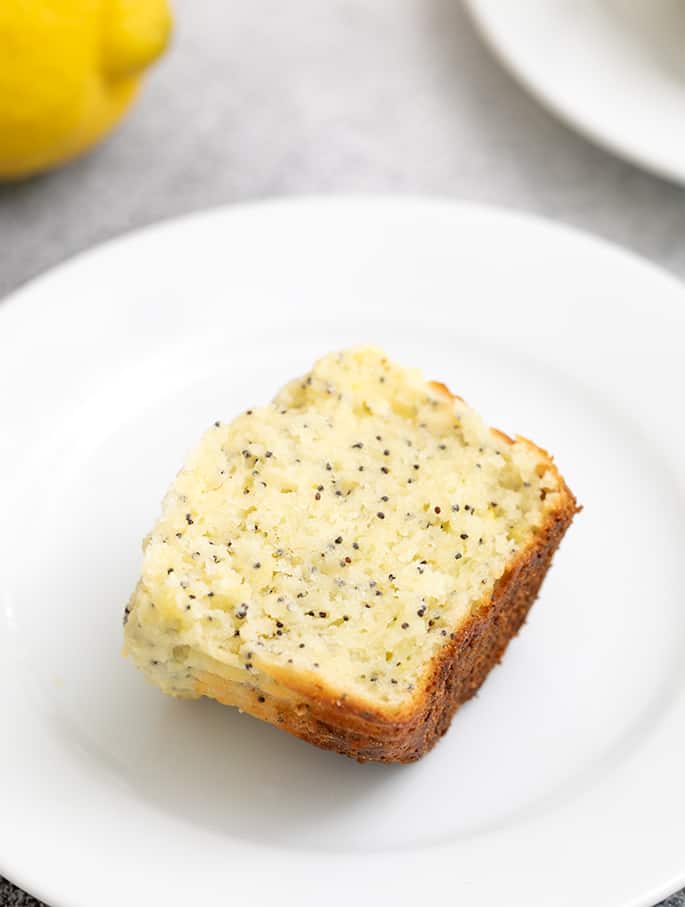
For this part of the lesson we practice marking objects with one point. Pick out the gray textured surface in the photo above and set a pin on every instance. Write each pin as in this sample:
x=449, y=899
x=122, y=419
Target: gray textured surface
x=273, y=98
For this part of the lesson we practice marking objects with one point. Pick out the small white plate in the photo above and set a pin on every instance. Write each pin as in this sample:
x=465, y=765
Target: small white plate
x=562, y=784
x=613, y=69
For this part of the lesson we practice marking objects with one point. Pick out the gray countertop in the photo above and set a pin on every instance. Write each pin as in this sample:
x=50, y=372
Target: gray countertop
x=272, y=98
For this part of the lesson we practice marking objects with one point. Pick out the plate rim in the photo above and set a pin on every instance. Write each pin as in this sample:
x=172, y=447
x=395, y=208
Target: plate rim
x=569, y=115
x=425, y=202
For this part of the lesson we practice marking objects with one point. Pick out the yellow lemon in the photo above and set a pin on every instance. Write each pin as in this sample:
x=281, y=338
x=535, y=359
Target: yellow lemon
x=68, y=71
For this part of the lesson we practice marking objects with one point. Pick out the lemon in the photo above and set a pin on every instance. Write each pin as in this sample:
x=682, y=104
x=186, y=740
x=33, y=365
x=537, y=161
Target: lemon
x=68, y=71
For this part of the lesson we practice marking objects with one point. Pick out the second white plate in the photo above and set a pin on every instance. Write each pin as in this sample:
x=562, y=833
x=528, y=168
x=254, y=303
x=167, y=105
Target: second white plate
x=560, y=785
x=613, y=69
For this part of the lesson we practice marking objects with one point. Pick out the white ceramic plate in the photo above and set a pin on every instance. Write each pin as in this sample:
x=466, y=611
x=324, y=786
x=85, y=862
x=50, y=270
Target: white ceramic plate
x=562, y=784
x=614, y=69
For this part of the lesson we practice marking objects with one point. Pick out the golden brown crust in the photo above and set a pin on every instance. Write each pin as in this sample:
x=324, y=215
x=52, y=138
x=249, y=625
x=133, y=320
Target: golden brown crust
x=342, y=724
